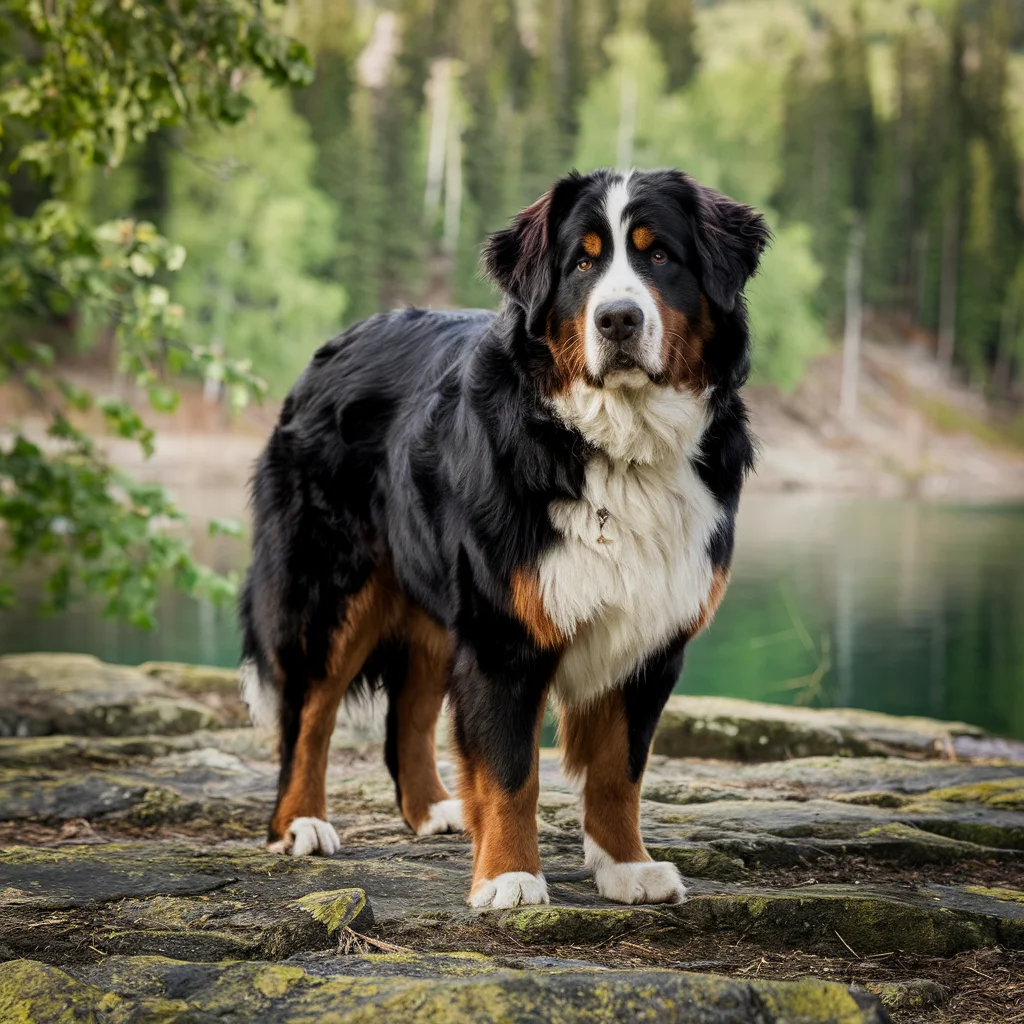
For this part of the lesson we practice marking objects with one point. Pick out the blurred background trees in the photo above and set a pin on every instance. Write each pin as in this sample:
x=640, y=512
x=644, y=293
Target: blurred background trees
x=884, y=139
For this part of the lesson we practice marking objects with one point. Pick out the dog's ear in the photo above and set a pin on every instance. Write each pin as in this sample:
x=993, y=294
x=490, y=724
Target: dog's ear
x=730, y=238
x=520, y=259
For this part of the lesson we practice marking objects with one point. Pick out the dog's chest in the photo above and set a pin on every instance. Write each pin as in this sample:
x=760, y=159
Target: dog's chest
x=630, y=570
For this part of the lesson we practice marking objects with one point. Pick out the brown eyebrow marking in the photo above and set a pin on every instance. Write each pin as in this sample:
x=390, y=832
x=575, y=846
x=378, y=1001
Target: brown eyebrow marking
x=642, y=238
x=592, y=244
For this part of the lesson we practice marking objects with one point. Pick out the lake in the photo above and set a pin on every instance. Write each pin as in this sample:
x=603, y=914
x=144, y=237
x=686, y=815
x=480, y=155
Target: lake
x=902, y=607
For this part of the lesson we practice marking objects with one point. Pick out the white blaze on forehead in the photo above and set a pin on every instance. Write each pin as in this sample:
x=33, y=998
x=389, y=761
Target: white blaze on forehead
x=620, y=281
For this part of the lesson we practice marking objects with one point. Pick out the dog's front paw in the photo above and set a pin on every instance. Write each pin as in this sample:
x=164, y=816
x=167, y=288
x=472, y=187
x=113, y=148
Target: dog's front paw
x=511, y=889
x=444, y=816
x=306, y=836
x=641, y=881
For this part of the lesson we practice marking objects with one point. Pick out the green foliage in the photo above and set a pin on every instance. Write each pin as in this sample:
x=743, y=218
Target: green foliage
x=80, y=83
x=259, y=239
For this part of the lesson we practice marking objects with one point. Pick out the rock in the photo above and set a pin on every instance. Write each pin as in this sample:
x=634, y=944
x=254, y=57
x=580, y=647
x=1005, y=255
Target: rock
x=913, y=994
x=80, y=695
x=163, y=904
x=739, y=730
x=74, y=752
x=337, y=908
x=155, y=989
x=217, y=687
x=233, y=900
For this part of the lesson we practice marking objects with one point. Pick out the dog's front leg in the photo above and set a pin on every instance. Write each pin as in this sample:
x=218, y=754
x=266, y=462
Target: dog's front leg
x=605, y=743
x=497, y=720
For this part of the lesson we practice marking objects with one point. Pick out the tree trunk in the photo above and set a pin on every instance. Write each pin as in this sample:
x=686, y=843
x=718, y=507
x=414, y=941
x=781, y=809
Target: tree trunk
x=627, y=123
x=854, y=318
x=452, y=180
x=949, y=279
x=440, y=96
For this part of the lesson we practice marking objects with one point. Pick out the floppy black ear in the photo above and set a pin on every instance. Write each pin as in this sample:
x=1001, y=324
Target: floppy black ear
x=520, y=258
x=730, y=239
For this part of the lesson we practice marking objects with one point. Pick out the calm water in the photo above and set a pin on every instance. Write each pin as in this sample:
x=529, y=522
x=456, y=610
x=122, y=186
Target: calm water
x=894, y=606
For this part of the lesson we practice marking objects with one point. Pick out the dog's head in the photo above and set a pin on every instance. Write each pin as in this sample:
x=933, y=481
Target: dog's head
x=632, y=279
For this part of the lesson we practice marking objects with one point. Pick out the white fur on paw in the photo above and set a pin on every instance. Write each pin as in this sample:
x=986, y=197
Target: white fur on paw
x=645, y=881
x=444, y=816
x=306, y=836
x=511, y=889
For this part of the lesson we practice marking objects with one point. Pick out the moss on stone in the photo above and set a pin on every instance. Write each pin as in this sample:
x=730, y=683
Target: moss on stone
x=239, y=992
x=815, y=918
x=700, y=862
x=35, y=993
x=550, y=925
x=996, y=893
x=336, y=908
x=913, y=994
x=873, y=798
x=1004, y=794
x=161, y=806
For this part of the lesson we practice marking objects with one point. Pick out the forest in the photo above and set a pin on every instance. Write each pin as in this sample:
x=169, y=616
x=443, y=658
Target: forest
x=210, y=189
x=887, y=135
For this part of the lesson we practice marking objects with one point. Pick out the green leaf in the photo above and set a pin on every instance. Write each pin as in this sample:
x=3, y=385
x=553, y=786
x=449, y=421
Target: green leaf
x=226, y=527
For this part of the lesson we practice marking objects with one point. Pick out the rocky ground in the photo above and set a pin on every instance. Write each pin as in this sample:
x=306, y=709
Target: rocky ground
x=842, y=867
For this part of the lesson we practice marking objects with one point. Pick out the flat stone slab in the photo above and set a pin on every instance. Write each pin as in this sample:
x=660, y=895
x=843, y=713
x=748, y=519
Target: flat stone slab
x=413, y=989
x=235, y=900
x=740, y=730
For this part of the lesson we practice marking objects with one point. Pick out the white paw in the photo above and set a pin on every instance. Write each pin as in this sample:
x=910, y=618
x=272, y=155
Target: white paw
x=645, y=881
x=306, y=836
x=444, y=816
x=511, y=889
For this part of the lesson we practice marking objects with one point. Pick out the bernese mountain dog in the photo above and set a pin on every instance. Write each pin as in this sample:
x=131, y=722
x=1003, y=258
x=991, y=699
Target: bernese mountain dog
x=502, y=508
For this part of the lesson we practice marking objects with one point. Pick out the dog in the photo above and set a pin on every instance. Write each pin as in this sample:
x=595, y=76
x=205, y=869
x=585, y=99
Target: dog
x=502, y=508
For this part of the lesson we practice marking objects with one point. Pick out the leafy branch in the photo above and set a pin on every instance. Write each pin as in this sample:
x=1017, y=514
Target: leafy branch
x=81, y=81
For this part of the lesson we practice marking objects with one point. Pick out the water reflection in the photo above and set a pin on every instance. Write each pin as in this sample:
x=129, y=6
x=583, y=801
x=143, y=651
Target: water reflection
x=895, y=606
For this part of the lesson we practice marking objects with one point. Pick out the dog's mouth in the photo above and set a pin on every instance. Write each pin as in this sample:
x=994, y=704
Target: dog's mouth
x=626, y=372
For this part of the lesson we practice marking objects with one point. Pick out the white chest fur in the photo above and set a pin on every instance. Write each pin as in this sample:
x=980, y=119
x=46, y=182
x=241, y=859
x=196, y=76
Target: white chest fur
x=631, y=568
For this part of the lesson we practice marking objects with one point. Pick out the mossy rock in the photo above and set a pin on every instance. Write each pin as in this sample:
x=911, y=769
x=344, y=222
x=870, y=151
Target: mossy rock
x=700, y=862
x=739, y=730
x=1001, y=794
x=836, y=919
x=578, y=926
x=913, y=994
x=152, y=989
x=79, y=695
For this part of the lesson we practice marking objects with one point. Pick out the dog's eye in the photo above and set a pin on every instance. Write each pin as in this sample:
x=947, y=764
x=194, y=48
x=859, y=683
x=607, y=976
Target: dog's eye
x=584, y=265
x=659, y=256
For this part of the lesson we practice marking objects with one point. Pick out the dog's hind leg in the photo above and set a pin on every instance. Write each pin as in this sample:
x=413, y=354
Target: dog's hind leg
x=415, y=694
x=299, y=825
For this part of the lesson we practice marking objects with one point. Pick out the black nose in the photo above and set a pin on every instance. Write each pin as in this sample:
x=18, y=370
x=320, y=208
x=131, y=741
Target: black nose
x=619, y=320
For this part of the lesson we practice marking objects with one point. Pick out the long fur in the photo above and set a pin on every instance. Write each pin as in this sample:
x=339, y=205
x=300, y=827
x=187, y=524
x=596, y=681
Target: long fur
x=465, y=452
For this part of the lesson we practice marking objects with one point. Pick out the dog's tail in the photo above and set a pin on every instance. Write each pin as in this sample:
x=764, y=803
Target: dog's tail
x=255, y=678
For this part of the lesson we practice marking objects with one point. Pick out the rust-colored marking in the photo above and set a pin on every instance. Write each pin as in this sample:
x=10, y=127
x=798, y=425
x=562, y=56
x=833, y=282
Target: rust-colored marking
x=417, y=707
x=682, y=351
x=592, y=244
x=707, y=612
x=595, y=743
x=643, y=238
x=528, y=606
x=503, y=824
x=566, y=344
